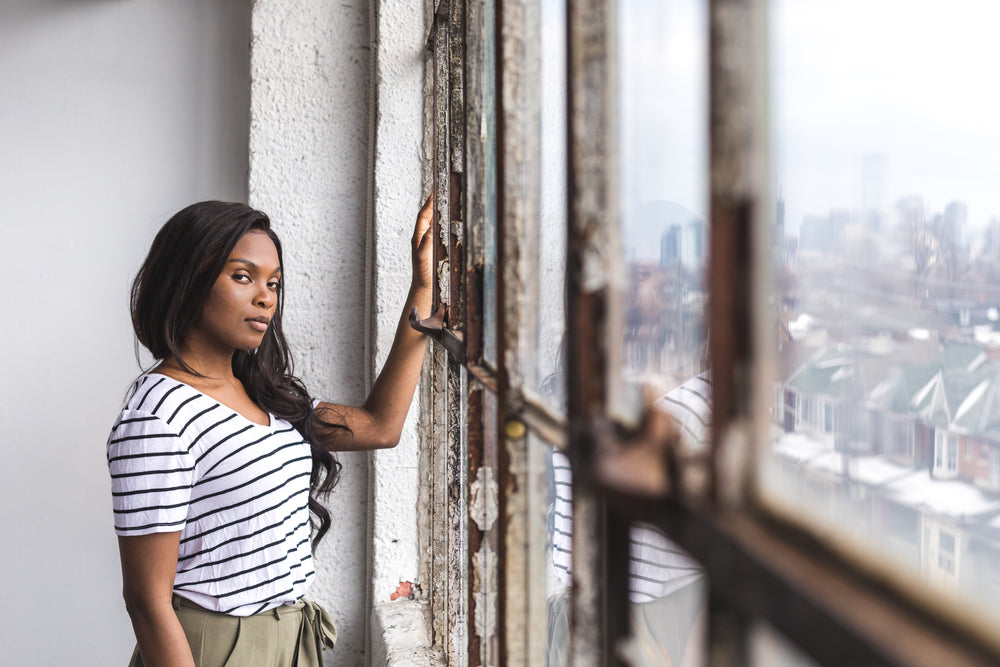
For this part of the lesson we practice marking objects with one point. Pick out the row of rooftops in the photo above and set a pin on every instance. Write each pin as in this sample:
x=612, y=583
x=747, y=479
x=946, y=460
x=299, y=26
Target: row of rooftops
x=954, y=385
x=957, y=500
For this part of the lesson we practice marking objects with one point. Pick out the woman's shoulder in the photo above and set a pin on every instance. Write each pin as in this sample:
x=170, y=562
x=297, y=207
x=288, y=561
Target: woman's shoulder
x=155, y=397
x=147, y=393
x=138, y=411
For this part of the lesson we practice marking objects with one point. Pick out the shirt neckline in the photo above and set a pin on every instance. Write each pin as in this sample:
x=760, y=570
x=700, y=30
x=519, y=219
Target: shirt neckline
x=270, y=417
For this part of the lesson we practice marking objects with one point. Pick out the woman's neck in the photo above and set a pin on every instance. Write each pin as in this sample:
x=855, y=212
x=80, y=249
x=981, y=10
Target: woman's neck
x=208, y=368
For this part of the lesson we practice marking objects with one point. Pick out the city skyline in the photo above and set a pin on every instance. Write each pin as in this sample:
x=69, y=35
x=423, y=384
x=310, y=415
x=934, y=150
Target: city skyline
x=905, y=81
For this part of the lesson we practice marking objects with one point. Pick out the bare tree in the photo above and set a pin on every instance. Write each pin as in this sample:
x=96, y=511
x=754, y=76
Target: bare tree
x=924, y=244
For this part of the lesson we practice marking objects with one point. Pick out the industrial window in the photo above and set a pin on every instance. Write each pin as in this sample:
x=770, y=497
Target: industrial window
x=631, y=194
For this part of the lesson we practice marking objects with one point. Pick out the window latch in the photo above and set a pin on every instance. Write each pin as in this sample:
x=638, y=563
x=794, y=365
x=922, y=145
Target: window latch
x=433, y=326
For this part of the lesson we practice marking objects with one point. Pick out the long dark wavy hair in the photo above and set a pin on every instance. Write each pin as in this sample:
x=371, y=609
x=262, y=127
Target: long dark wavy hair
x=168, y=294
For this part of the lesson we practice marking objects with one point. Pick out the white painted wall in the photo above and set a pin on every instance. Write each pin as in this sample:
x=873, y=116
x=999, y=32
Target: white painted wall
x=397, y=157
x=309, y=167
x=113, y=116
x=312, y=162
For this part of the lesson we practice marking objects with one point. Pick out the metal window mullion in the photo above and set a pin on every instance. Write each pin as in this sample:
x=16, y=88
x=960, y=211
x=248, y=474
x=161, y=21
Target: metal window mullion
x=591, y=235
x=736, y=191
x=456, y=159
x=523, y=539
x=456, y=515
x=441, y=157
x=478, y=81
x=434, y=463
x=482, y=601
x=479, y=102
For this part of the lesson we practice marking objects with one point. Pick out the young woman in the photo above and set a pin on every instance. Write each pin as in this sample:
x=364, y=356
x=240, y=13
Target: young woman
x=220, y=455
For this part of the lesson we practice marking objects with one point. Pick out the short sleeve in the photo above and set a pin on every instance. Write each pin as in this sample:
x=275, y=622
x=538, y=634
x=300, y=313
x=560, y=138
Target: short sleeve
x=152, y=473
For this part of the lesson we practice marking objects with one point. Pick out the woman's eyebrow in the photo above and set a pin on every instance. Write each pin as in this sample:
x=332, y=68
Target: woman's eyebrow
x=250, y=265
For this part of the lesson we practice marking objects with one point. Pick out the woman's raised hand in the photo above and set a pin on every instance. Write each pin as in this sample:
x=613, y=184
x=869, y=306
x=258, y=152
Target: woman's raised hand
x=423, y=272
x=379, y=422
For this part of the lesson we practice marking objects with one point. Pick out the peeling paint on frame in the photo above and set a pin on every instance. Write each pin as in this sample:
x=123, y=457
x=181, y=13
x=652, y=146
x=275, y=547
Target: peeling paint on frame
x=483, y=509
x=485, y=569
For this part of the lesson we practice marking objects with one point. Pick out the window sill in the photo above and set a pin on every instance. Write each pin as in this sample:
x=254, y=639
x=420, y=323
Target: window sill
x=401, y=635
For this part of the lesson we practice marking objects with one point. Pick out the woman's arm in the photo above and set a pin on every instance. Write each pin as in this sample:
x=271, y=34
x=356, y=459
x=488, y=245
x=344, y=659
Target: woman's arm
x=379, y=422
x=149, y=563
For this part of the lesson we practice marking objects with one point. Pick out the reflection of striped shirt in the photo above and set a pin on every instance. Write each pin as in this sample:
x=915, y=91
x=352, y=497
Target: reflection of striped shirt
x=657, y=566
x=238, y=492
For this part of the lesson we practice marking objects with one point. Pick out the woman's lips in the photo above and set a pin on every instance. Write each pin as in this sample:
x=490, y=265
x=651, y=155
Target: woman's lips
x=259, y=325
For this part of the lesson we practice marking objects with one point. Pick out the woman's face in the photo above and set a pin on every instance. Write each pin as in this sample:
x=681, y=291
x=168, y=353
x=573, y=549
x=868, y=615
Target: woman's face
x=242, y=301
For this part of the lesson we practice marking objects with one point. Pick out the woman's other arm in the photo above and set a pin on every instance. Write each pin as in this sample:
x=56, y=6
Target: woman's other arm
x=379, y=422
x=149, y=563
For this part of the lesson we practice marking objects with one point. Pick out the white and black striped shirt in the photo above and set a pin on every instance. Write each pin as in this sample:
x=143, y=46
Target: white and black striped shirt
x=237, y=491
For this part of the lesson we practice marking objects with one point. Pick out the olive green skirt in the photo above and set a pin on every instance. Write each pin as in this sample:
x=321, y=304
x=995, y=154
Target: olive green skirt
x=287, y=636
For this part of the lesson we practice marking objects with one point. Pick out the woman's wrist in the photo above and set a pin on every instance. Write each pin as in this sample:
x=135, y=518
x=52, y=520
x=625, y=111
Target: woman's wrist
x=418, y=288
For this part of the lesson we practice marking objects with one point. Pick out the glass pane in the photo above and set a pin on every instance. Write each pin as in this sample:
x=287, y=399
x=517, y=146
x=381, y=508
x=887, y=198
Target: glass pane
x=668, y=607
x=551, y=247
x=663, y=187
x=666, y=587
x=559, y=514
x=770, y=649
x=664, y=148
x=489, y=138
x=885, y=408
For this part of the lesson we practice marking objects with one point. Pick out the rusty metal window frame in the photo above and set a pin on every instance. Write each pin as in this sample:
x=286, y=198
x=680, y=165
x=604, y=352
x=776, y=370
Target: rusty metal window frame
x=486, y=508
x=445, y=431
x=487, y=540
x=762, y=566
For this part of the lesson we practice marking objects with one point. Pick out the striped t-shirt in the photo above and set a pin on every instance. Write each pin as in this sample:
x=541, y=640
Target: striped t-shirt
x=237, y=491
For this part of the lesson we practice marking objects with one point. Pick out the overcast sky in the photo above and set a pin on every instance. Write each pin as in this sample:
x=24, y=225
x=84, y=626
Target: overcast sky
x=912, y=81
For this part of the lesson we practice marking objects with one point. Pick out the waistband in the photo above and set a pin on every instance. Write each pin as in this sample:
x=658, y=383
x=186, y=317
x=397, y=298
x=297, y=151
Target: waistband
x=324, y=630
x=179, y=601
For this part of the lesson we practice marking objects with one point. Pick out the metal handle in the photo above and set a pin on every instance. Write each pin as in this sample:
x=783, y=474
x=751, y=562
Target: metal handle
x=432, y=326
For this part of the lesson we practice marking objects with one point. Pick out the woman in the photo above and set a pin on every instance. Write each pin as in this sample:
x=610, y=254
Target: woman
x=220, y=454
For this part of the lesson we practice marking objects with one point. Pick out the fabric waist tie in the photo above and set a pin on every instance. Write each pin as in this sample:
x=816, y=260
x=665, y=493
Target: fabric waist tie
x=323, y=630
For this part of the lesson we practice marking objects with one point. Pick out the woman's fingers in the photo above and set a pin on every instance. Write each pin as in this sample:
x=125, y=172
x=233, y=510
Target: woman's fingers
x=424, y=220
x=422, y=237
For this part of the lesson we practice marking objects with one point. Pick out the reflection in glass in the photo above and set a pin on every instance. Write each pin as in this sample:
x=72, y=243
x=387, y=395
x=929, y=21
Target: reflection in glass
x=551, y=247
x=663, y=150
x=886, y=251
x=488, y=137
x=559, y=514
x=666, y=587
x=663, y=187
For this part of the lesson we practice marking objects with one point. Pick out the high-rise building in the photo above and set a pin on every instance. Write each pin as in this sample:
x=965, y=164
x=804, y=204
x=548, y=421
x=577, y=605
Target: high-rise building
x=693, y=252
x=872, y=190
x=956, y=214
x=670, y=245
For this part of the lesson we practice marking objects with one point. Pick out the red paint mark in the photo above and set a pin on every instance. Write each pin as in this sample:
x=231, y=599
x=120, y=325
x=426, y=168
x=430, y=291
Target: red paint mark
x=404, y=590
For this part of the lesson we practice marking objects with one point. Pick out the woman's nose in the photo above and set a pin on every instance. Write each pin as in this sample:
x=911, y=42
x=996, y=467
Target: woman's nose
x=264, y=297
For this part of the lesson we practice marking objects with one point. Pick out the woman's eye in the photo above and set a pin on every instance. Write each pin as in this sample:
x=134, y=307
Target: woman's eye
x=241, y=277
x=274, y=285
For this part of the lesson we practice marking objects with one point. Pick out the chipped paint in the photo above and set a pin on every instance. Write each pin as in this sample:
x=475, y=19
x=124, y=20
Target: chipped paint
x=444, y=281
x=484, y=568
x=483, y=492
x=406, y=589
